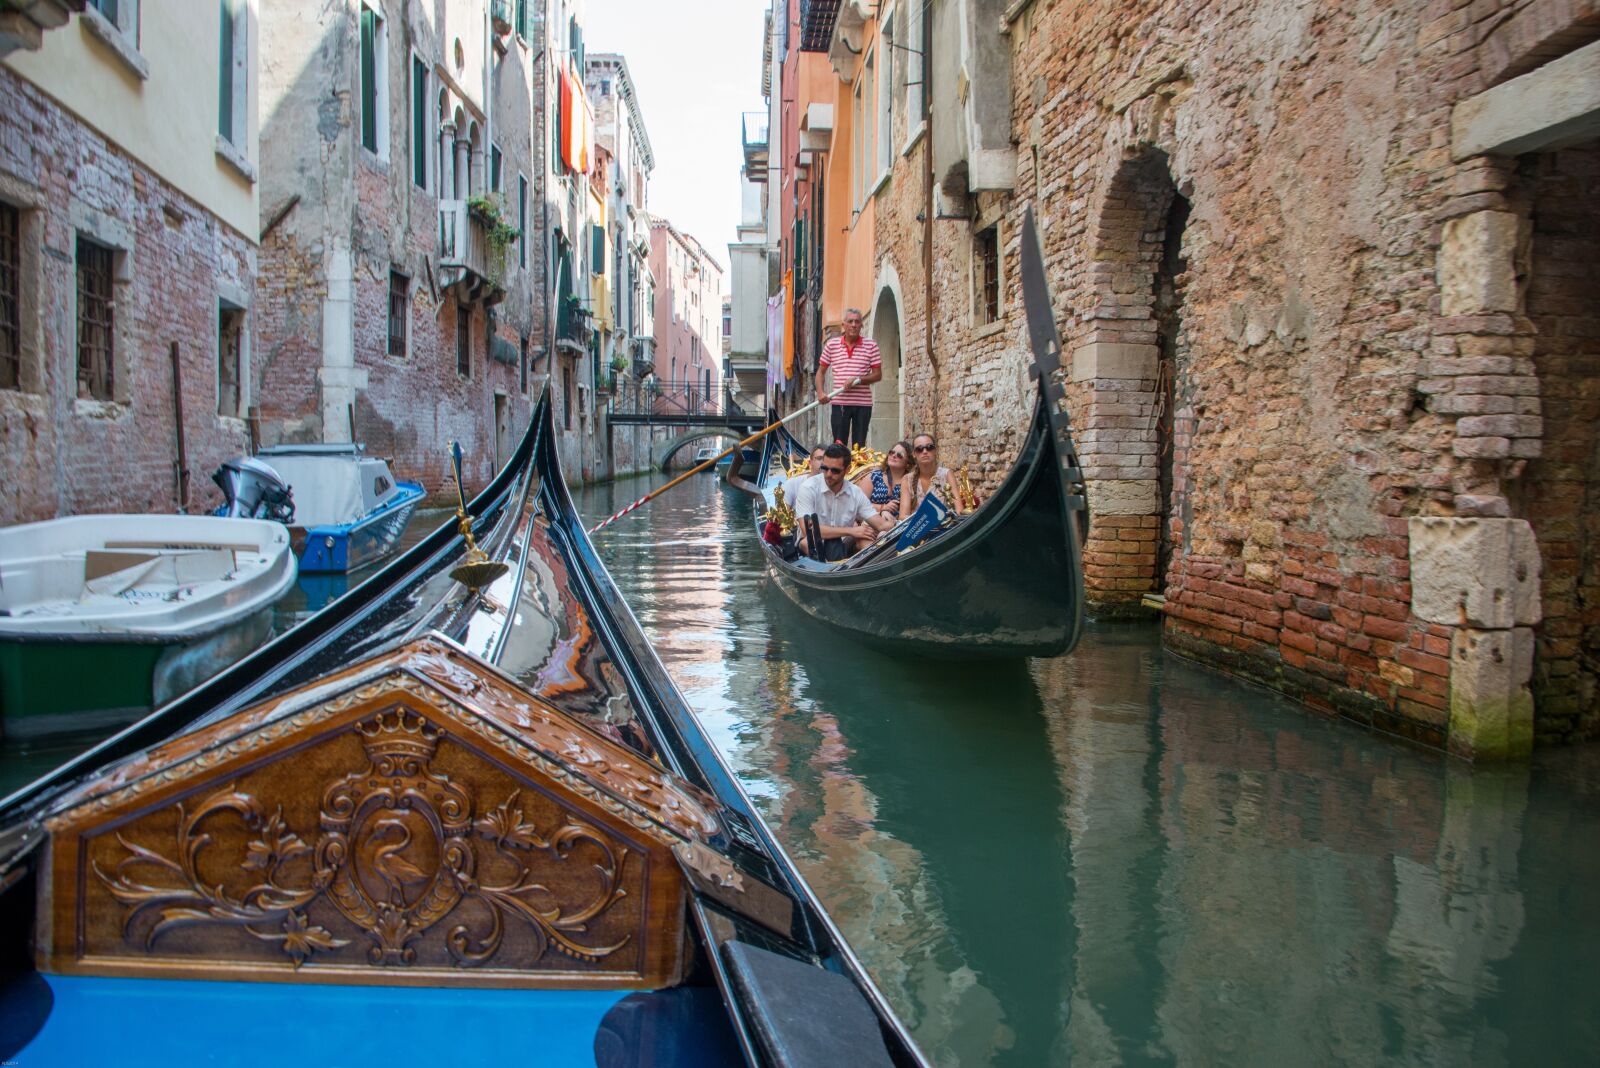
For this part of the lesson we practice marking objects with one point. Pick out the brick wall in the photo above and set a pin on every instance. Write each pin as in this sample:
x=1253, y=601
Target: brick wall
x=1318, y=357
x=64, y=455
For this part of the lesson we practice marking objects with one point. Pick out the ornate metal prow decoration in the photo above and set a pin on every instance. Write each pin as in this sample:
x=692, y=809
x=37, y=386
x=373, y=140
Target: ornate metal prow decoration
x=475, y=570
x=781, y=513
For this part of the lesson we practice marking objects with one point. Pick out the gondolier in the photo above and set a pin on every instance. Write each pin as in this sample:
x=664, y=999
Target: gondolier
x=850, y=356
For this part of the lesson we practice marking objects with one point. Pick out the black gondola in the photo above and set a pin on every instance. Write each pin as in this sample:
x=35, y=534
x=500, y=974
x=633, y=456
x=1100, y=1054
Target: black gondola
x=124, y=926
x=1004, y=581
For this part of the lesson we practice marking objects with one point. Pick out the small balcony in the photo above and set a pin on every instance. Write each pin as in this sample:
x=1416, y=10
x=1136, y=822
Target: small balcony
x=816, y=24
x=755, y=145
x=465, y=258
x=574, y=327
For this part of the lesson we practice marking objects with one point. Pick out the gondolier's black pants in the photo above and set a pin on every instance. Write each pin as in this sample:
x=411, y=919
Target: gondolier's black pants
x=850, y=423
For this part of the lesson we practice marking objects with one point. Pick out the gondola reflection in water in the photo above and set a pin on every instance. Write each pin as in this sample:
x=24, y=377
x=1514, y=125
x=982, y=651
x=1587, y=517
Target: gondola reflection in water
x=1004, y=581
x=466, y=824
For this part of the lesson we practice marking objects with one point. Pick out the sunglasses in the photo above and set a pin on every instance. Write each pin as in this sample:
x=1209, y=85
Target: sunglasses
x=923, y=448
x=835, y=470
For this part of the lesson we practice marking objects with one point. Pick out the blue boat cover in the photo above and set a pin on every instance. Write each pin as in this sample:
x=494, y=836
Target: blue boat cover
x=137, y=1022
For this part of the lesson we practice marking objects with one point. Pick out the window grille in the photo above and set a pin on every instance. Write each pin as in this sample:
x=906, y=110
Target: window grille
x=399, y=305
x=10, y=297
x=464, y=340
x=95, y=321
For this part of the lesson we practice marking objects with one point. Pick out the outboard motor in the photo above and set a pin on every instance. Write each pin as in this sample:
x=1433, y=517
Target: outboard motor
x=254, y=491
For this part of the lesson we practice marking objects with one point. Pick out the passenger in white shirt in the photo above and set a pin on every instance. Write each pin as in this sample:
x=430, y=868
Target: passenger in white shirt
x=791, y=487
x=847, y=520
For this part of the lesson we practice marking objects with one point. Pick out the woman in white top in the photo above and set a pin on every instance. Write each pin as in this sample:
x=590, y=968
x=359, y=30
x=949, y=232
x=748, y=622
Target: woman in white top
x=925, y=475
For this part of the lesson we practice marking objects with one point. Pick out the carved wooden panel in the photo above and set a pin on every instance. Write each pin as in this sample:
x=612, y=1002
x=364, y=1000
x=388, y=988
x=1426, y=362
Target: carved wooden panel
x=410, y=828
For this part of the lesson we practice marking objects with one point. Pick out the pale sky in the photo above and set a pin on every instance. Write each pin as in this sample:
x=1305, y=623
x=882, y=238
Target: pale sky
x=696, y=67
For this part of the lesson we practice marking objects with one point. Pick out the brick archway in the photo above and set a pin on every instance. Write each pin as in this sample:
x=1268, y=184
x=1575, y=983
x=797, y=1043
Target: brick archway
x=1127, y=362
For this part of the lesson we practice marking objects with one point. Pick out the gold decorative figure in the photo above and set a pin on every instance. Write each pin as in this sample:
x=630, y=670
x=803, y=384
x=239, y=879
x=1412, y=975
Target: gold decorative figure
x=476, y=570
x=781, y=513
x=966, y=499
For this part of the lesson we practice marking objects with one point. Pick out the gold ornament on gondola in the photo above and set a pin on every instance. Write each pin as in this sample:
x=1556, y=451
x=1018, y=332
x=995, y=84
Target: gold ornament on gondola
x=476, y=570
x=861, y=458
x=966, y=498
x=781, y=513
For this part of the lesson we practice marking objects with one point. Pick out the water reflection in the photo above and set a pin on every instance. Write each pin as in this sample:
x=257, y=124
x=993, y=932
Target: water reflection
x=1117, y=857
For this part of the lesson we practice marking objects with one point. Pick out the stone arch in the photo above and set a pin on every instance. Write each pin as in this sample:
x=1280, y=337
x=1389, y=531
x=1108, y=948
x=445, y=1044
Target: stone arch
x=460, y=161
x=672, y=447
x=1128, y=361
x=444, y=151
x=477, y=173
x=886, y=325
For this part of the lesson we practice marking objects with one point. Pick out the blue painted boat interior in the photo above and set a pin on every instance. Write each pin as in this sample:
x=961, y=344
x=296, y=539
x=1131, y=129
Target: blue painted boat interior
x=138, y=1022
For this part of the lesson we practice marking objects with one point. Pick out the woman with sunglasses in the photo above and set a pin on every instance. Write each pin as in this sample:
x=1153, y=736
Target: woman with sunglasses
x=881, y=483
x=925, y=475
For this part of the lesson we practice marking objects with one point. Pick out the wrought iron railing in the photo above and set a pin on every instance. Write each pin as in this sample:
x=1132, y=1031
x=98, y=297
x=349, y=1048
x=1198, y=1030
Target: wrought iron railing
x=654, y=397
x=816, y=24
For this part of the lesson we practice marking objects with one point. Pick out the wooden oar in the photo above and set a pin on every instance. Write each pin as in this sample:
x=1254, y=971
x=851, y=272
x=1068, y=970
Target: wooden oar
x=757, y=436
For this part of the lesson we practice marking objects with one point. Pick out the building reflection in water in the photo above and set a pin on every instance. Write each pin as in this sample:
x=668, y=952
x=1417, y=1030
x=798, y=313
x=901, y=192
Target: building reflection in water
x=1116, y=857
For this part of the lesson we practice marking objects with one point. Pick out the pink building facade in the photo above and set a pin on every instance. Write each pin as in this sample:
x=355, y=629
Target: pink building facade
x=688, y=322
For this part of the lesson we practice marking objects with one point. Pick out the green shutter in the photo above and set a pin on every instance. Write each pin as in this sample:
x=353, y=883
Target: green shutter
x=419, y=123
x=597, y=249
x=522, y=19
x=225, y=74
x=369, y=79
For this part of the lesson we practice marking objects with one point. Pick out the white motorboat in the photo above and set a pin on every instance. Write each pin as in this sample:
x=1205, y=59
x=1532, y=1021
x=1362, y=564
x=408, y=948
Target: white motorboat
x=103, y=617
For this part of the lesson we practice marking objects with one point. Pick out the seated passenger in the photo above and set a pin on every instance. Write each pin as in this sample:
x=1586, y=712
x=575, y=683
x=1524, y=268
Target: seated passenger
x=881, y=483
x=925, y=475
x=847, y=521
x=792, y=485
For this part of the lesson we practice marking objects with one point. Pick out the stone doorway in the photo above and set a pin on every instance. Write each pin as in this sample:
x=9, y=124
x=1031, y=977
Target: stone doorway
x=885, y=429
x=1559, y=493
x=1172, y=343
x=503, y=443
x=1131, y=359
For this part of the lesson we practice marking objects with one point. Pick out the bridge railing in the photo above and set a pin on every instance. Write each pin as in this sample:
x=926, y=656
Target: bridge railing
x=675, y=400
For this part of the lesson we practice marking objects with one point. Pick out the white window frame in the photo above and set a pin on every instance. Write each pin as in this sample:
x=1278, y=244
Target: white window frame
x=916, y=80
x=380, y=74
x=522, y=220
x=226, y=305
x=858, y=163
x=239, y=116
x=884, y=156
x=430, y=123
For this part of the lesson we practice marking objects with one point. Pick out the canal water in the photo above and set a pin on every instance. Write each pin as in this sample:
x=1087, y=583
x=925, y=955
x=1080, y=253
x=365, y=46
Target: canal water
x=1117, y=857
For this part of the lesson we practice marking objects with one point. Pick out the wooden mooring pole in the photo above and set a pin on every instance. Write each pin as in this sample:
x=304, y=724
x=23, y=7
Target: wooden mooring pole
x=181, y=464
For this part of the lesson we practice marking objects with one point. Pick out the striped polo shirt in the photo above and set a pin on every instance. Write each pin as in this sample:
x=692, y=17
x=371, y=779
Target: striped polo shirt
x=848, y=363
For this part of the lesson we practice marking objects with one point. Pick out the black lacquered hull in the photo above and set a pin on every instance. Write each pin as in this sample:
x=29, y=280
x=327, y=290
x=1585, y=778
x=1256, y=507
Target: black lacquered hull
x=1006, y=582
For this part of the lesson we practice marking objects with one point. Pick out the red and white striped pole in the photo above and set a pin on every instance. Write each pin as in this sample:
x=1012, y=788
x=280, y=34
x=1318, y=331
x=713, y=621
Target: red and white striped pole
x=757, y=436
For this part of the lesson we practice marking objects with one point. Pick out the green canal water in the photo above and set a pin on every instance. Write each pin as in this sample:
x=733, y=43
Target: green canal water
x=1118, y=857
